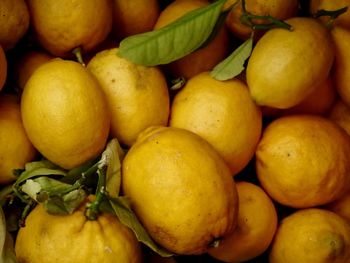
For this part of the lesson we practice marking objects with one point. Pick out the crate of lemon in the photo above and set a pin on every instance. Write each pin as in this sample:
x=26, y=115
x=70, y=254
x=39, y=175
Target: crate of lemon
x=165, y=147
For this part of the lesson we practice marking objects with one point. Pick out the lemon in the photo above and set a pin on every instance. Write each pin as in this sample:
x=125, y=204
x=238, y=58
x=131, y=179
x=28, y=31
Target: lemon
x=65, y=113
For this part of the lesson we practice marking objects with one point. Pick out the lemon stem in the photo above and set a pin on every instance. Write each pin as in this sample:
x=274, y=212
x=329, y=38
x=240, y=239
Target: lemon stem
x=332, y=14
x=247, y=19
x=78, y=55
x=93, y=208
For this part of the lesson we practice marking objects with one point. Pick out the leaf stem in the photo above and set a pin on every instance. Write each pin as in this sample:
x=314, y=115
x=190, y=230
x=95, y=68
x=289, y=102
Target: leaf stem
x=93, y=208
x=78, y=55
x=248, y=18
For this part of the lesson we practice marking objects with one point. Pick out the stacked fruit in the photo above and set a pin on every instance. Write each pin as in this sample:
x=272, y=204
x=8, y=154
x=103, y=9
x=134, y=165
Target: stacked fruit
x=174, y=131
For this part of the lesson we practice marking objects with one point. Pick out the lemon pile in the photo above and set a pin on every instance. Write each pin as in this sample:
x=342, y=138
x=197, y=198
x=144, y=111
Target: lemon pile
x=253, y=168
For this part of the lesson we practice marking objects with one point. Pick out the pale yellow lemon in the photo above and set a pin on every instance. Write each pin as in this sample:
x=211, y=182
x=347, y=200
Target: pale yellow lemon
x=137, y=96
x=221, y=112
x=285, y=66
x=15, y=148
x=304, y=161
x=61, y=26
x=257, y=224
x=311, y=235
x=180, y=189
x=65, y=113
x=48, y=238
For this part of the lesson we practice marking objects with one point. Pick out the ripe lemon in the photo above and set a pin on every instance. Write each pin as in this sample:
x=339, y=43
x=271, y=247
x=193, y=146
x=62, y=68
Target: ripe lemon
x=340, y=114
x=221, y=112
x=70, y=238
x=61, y=26
x=3, y=68
x=285, y=66
x=311, y=235
x=134, y=17
x=198, y=61
x=341, y=67
x=341, y=206
x=257, y=224
x=15, y=147
x=180, y=189
x=318, y=102
x=28, y=63
x=14, y=22
x=304, y=161
x=137, y=96
x=65, y=113
x=279, y=9
x=332, y=5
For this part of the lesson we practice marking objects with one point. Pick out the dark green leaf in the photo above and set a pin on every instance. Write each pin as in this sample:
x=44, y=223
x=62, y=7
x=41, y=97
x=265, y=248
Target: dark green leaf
x=173, y=41
x=127, y=217
x=233, y=65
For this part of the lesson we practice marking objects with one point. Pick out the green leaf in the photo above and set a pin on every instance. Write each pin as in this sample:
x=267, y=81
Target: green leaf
x=112, y=157
x=174, y=41
x=233, y=65
x=39, y=168
x=127, y=217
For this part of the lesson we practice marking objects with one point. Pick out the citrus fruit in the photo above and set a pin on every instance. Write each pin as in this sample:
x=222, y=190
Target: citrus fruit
x=180, y=189
x=221, y=112
x=48, y=238
x=332, y=5
x=340, y=114
x=341, y=206
x=65, y=113
x=257, y=223
x=201, y=60
x=15, y=147
x=3, y=68
x=134, y=17
x=137, y=96
x=317, y=102
x=279, y=9
x=341, y=67
x=28, y=63
x=278, y=75
x=62, y=26
x=303, y=160
x=311, y=235
x=14, y=22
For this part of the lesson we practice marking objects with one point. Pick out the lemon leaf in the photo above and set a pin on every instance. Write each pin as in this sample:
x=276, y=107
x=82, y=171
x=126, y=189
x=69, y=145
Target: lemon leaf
x=174, y=41
x=112, y=158
x=127, y=217
x=233, y=65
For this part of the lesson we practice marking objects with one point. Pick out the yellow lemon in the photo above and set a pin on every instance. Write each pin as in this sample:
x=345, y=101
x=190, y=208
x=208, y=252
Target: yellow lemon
x=137, y=96
x=279, y=9
x=65, y=113
x=340, y=114
x=341, y=206
x=134, y=17
x=28, y=63
x=311, y=235
x=48, y=238
x=15, y=147
x=341, y=67
x=257, y=224
x=203, y=59
x=285, y=66
x=221, y=112
x=304, y=161
x=14, y=22
x=180, y=189
x=61, y=26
